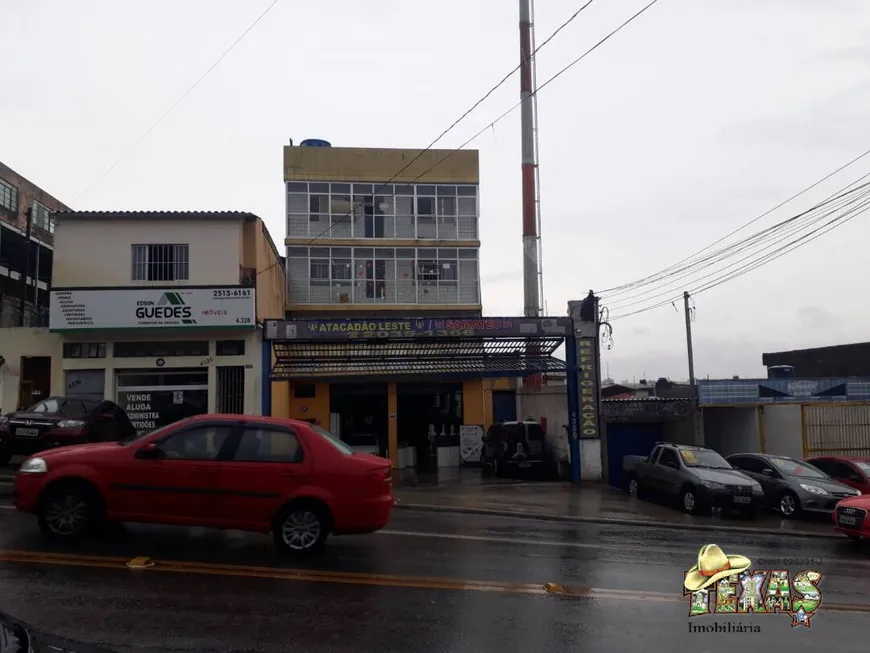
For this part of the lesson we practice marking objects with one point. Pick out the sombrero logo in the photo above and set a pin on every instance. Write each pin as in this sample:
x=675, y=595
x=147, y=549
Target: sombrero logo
x=726, y=585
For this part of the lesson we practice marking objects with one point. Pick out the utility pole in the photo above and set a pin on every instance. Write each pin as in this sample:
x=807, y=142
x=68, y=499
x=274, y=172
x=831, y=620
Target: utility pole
x=695, y=416
x=22, y=301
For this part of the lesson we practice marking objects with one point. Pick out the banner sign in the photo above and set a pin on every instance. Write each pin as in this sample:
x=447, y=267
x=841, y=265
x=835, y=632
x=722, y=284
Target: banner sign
x=409, y=328
x=80, y=309
x=470, y=443
x=588, y=364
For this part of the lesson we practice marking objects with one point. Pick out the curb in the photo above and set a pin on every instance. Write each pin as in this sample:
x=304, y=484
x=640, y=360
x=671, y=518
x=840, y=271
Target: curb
x=611, y=521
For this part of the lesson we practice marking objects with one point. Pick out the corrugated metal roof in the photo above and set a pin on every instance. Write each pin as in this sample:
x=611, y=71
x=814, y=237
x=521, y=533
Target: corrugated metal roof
x=155, y=215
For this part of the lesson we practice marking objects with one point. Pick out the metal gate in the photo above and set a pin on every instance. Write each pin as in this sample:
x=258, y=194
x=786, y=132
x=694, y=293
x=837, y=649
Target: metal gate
x=836, y=430
x=629, y=439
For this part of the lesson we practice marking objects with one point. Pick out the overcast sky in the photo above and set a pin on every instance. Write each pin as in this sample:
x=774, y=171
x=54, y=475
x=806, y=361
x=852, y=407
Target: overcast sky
x=699, y=116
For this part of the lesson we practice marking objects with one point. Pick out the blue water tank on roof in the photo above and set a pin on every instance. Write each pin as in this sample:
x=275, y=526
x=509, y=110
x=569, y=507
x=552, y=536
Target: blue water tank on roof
x=314, y=142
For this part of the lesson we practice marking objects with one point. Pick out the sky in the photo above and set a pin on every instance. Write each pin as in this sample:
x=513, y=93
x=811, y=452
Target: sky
x=698, y=117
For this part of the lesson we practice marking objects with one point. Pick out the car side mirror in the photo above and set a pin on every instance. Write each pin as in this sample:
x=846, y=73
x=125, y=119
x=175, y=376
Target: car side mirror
x=767, y=471
x=150, y=451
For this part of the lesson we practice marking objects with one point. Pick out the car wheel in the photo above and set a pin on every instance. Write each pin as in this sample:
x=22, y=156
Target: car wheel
x=788, y=505
x=68, y=513
x=302, y=528
x=690, y=501
x=634, y=487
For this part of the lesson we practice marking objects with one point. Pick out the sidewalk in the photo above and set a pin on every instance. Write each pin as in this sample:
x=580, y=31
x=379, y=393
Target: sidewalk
x=466, y=491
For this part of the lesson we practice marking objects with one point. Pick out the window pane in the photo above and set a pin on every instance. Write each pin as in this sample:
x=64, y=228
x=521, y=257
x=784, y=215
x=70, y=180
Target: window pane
x=203, y=443
x=267, y=445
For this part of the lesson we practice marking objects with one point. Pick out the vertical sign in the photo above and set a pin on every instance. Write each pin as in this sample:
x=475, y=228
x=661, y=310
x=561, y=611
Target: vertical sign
x=587, y=365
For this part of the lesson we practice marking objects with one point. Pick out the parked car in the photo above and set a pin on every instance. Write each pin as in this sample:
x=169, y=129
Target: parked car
x=364, y=443
x=61, y=421
x=512, y=446
x=17, y=637
x=260, y=474
x=698, y=476
x=850, y=517
x=791, y=486
x=854, y=472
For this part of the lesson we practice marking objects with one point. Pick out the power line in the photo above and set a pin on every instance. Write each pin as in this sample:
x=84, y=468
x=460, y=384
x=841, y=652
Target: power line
x=657, y=275
x=179, y=101
x=456, y=122
x=805, y=239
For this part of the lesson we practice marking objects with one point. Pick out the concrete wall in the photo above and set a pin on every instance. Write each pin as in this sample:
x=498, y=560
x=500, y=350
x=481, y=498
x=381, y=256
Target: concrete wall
x=782, y=430
x=378, y=165
x=27, y=193
x=18, y=342
x=215, y=251
x=731, y=430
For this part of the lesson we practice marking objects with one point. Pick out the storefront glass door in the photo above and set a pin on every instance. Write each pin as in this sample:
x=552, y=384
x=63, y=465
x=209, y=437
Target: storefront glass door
x=155, y=398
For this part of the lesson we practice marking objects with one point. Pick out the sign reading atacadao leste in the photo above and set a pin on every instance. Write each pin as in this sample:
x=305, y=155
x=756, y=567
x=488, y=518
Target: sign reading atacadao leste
x=78, y=309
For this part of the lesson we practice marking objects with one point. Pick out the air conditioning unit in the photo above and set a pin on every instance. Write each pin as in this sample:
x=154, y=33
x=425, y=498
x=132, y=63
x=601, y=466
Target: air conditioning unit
x=248, y=277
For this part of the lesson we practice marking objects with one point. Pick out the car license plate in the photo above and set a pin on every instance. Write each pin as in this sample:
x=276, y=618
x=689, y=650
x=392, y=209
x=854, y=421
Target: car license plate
x=847, y=520
x=27, y=433
x=742, y=499
x=525, y=464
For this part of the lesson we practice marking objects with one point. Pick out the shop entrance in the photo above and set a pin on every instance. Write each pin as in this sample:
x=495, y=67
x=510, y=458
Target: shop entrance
x=35, y=380
x=428, y=416
x=359, y=411
x=155, y=398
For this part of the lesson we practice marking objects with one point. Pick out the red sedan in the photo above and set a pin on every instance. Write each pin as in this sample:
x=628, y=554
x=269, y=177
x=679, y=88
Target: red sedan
x=258, y=474
x=854, y=472
x=850, y=517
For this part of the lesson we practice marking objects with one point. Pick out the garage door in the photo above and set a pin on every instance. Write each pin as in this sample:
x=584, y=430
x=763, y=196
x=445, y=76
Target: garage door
x=628, y=440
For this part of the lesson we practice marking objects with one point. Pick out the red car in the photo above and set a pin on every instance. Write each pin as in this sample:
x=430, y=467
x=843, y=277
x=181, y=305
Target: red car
x=854, y=472
x=850, y=517
x=258, y=474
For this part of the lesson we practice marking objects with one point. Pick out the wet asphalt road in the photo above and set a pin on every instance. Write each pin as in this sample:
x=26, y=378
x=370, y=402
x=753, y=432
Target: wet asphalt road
x=406, y=589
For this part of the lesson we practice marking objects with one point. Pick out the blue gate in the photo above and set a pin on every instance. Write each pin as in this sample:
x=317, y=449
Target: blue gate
x=629, y=440
x=504, y=406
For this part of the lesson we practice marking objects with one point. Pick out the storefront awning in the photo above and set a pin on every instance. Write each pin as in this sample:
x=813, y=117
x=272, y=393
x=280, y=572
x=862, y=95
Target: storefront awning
x=414, y=347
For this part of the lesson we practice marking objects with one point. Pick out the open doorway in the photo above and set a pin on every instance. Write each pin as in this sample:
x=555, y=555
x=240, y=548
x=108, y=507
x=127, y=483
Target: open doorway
x=35, y=382
x=360, y=411
x=428, y=416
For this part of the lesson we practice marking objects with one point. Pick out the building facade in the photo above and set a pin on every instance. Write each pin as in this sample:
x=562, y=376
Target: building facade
x=161, y=311
x=26, y=243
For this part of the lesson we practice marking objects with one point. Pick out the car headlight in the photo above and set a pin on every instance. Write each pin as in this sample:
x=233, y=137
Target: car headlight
x=3, y=419
x=711, y=485
x=858, y=493
x=756, y=487
x=33, y=466
x=70, y=423
x=815, y=489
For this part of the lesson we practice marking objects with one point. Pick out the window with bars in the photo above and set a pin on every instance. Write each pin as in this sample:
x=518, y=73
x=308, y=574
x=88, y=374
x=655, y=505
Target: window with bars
x=161, y=262
x=42, y=218
x=8, y=196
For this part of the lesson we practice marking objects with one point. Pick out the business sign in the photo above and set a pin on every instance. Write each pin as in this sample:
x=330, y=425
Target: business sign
x=409, y=328
x=80, y=309
x=588, y=377
x=470, y=443
x=781, y=391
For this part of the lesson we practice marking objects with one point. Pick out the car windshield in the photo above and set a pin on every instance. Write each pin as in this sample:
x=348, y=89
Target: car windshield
x=792, y=467
x=705, y=458
x=45, y=406
x=329, y=437
x=361, y=440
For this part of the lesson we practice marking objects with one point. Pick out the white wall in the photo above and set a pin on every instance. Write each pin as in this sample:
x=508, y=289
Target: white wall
x=16, y=342
x=731, y=430
x=92, y=253
x=783, y=433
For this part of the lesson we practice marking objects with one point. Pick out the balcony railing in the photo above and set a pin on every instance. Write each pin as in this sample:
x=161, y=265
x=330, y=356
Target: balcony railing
x=406, y=291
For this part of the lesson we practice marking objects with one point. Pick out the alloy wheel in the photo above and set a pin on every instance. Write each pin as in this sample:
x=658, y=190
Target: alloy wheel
x=301, y=530
x=689, y=501
x=67, y=515
x=632, y=487
x=787, y=505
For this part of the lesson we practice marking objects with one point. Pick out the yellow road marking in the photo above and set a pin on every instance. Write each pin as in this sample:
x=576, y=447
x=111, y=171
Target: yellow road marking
x=350, y=578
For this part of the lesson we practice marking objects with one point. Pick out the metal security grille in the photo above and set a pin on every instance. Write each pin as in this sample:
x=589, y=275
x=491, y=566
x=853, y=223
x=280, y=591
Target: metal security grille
x=509, y=356
x=161, y=262
x=839, y=430
x=231, y=389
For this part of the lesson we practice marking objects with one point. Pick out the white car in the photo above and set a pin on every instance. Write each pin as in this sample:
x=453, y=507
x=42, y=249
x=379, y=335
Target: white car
x=364, y=443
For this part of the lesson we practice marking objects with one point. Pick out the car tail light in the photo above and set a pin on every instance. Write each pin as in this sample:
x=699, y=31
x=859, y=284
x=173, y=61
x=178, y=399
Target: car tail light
x=384, y=474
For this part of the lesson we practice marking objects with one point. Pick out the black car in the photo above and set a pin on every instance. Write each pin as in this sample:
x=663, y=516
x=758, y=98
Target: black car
x=61, y=421
x=16, y=637
x=509, y=447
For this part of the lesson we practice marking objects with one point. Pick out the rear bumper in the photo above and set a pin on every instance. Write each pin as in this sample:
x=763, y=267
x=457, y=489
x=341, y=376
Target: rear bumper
x=365, y=516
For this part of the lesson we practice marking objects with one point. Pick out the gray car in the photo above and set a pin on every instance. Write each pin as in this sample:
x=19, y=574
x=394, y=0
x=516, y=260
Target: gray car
x=791, y=486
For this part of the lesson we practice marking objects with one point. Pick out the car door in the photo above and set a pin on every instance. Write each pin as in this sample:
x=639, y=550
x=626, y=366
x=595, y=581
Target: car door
x=668, y=471
x=177, y=486
x=262, y=470
x=766, y=473
x=846, y=473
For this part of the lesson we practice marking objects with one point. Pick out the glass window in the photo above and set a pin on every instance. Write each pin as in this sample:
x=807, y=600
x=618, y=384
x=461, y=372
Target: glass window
x=301, y=252
x=297, y=187
x=199, y=443
x=41, y=216
x=46, y=406
x=329, y=437
x=446, y=191
x=161, y=262
x=447, y=206
x=318, y=204
x=8, y=196
x=425, y=190
x=468, y=191
x=342, y=189
x=668, y=457
x=73, y=407
x=425, y=206
x=320, y=269
x=792, y=467
x=297, y=203
x=467, y=206
x=342, y=270
x=706, y=458
x=230, y=347
x=404, y=206
x=262, y=444
x=318, y=188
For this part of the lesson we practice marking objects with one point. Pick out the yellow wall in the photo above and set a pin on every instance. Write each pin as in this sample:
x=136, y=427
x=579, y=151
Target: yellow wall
x=379, y=164
x=259, y=252
x=314, y=408
x=477, y=402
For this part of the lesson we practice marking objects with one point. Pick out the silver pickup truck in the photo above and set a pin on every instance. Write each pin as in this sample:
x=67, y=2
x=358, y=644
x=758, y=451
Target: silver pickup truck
x=698, y=477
